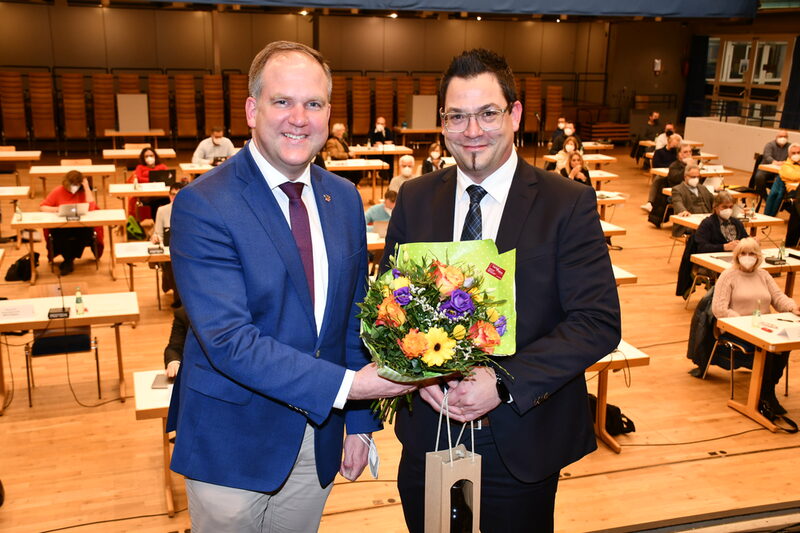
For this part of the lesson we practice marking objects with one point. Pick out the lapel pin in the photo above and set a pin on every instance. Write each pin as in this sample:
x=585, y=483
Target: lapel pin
x=327, y=197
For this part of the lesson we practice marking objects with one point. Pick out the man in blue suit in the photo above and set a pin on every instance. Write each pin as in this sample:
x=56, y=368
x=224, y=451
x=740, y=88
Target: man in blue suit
x=270, y=257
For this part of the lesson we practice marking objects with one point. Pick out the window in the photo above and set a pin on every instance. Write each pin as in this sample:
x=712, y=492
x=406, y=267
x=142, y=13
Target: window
x=711, y=60
x=736, y=61
x=770, y=56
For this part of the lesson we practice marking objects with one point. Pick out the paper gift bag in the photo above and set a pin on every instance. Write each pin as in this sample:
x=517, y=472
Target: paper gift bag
x=452, y=491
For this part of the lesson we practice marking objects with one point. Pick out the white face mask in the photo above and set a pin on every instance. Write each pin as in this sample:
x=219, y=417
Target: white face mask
x=379, y=128
x=562, y=125
x=725, y=214
x=570, y=148
x=150, y=161
x=406, y=172
x=692, y=182
x=747, y=262
x=795, y=157
x=74, y=188
x=435, y=155
x=568, y=132
x=781, y=141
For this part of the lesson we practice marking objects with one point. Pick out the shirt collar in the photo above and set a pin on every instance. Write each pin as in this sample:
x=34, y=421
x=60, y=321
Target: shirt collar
x=274, y=178
x=496, y=184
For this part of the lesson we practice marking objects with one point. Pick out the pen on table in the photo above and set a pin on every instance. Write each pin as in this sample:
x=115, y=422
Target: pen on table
x=786, y=320
x=767, y=330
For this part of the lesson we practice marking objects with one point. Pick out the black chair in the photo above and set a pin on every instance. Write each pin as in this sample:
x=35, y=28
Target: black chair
x=60, y=341
x=733, y=347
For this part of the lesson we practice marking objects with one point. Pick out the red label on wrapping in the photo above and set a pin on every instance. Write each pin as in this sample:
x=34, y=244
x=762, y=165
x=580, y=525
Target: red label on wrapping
x=495, y=271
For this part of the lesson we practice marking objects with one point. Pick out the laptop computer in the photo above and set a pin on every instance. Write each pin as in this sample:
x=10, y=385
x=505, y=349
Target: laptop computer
x=165, y=176
x=380, y=227
x=73, y=210
x=217, y=160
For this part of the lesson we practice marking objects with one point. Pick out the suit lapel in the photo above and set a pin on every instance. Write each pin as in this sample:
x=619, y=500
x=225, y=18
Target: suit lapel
x=520, y=199
x=262, y=202
x=328, y=208
x=444, y=206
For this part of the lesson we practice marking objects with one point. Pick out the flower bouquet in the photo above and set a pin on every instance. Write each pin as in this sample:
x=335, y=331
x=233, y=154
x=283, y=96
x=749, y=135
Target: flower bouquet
x=442, y=309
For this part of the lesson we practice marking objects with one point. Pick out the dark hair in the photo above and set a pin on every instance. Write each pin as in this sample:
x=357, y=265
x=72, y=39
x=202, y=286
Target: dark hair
x=176, y=186
x=390, y=195
x=475, y=62
x=215, y=128
x=73, y=177
x=144, y=151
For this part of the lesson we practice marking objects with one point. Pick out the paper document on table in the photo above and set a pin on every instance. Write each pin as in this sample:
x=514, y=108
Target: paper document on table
x=782, y=326
x=17, y=311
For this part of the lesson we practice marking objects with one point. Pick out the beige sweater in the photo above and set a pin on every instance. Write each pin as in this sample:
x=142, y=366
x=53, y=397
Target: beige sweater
x=737, y=293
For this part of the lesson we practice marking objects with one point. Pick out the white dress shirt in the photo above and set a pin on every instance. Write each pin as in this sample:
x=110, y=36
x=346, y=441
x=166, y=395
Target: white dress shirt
x=497, y=186
x=274, y=180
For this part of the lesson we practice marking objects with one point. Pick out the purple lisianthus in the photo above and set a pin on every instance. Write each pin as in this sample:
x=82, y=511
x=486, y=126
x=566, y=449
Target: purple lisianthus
x=396, y=273
x=500, y=325
x=402, y=295
x=459, y=304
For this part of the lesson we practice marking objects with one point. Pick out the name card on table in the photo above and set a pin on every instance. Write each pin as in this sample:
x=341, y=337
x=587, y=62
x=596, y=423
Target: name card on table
x=17, y=311
x=787, y=328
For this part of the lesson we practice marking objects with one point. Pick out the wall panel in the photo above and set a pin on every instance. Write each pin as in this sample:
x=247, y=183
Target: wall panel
x=131, y=38
x=25, y=35
x=184, y=39
x=523, y=45
x=78, y=36
x=235, y=41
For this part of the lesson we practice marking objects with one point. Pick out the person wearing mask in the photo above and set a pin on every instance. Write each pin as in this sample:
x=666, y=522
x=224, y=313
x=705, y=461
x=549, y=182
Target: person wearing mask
x=677, y=169
x=576, y=169
x=406, y=173
x=71, y=242
x=148, y=160
x=720, y=232
x=663, y=157
x=336, y=146
x=380, y=134
x=383, y=211
x=571, y=145
x=434, y=160
x=789, y=173
x=690, y=198
x=743, y=288
x=775, y=151
x=160, y=233
x=653, y=126
x=214, y=149
x=173, y=353
x=661, y=139
x=558, y=136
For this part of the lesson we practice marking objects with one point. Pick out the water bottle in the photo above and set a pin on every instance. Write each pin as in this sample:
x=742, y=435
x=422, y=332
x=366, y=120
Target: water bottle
x=135, y=183
x=80, y=308
x=18, y=213
x=782, y=251
x=757, y=315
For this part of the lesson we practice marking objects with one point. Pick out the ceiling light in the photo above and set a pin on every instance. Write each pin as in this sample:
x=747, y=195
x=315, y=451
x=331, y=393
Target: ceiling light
x=304, y=12
x=478, y=18
x=393, y=15
x=558, y=20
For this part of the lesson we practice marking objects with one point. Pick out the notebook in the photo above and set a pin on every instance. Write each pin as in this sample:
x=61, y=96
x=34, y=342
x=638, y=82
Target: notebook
x=165, y=176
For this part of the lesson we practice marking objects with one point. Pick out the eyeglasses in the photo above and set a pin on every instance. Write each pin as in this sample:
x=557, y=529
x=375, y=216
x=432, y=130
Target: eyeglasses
x=489, y=119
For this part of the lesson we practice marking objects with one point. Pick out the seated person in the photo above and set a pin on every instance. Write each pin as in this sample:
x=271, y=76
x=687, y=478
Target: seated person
x=790, y=172
x=173, y=353
x=664, y=157
x=336, y=146
x=148, y=160
x=675, y=176
x=661, y=138
x=557, y=137
x=406, y=173
x=721, y=231
x=653, y=127
x=381, y=212
x=212, y=148
x=569, y=131
x=380, y=134
x=775, y=151
x=70, y=242
x=571, y=145
x=576, y=169
x=162, y=226
x=434, y=161
x=690, y=198
x=740, y=290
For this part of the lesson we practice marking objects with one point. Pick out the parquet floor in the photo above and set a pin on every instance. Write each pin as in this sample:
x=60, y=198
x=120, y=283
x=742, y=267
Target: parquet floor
x=65, y=465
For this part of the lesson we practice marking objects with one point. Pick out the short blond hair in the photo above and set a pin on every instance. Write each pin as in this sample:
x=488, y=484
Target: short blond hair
x=283, y=47
x=747, y=245
x=406, y=158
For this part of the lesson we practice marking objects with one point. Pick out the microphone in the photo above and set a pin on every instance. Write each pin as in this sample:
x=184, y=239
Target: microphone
x=59, y=312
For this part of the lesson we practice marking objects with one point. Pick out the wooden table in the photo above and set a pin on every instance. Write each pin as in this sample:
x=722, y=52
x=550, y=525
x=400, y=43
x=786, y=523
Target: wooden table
x=40, y=220
x=371, y=166
x=598, y=177
x=19, y=156
x=611, y=230
x=702, y=156
x=764, y=341
x=154, y=403
x=719, y=261
x=624, y=356
x=155, y=134
x=607, y=198
x=693, y=144
x=395, y=150
x=623, y=277
x=416, y=131
x=770, y=167
x=58, y=171
x=14, y=194
x=754, y=222
x=105, y=308
x=122, y=153
x=705, y=172
x=736, y=195
x=129, y=253
x=647, y=144
x=590, y=159
x=123, y=191
x=592, y=146
x=193, y=170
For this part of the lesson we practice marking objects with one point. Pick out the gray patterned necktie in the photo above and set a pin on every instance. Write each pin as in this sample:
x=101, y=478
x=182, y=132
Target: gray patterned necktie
x=473, y=223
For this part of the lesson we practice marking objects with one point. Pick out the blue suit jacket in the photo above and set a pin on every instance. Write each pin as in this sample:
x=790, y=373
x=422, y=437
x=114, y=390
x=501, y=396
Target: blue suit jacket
x=254, y=370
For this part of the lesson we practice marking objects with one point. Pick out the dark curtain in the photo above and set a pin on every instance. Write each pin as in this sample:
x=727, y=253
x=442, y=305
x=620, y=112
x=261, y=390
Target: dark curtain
x=790, y=119
x=694, y=98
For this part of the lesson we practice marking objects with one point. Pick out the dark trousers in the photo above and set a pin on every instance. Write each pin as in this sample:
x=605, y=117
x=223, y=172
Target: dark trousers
x=70, y=242
x=507, y=504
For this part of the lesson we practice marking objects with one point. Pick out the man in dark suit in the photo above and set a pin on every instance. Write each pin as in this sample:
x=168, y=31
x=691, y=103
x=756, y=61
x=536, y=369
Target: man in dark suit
x=270, y=258
x=535, y=419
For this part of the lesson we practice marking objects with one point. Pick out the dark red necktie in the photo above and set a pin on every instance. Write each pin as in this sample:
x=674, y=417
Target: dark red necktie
x=301, y=230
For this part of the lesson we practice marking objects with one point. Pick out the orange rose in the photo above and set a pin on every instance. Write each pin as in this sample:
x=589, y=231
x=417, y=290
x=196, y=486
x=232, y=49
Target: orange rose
x=413, y=344
x=484, y=336
x=447, y=278
x=390, y=313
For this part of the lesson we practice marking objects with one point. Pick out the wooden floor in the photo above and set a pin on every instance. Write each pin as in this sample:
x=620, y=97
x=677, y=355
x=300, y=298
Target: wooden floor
x=66, y=465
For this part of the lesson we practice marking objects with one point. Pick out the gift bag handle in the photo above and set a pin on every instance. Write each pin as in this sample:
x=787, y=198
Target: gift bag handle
x=444, y=409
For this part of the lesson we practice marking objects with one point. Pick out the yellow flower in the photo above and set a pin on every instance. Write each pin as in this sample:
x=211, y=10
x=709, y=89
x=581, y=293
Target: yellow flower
x=399, y=283
x=386, y=291
x=459, y=332
x=440, y=347
x=492, y=314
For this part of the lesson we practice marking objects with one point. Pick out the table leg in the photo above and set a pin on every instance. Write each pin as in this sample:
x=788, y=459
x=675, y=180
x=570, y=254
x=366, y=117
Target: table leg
x=113, y=255
x=598, y=184
x=122, y=388
x=158, y=292
x=789, y=290
x=2, y=381
x=374, y=186
x=31, y=191
x=167, y=484
x=130, y=277
x=754, y=394
x=602, y=212
x=600, y=415
x=753, y=231
x=32, y=257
